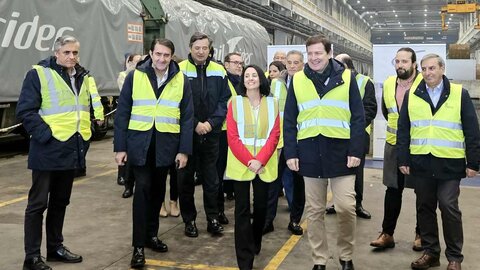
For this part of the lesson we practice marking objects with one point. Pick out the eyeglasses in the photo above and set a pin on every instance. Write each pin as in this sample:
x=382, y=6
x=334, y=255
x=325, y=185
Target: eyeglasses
x=236, y=63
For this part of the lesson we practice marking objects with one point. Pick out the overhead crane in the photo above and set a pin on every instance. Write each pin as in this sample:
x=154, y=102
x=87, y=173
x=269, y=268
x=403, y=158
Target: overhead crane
x=459, y=7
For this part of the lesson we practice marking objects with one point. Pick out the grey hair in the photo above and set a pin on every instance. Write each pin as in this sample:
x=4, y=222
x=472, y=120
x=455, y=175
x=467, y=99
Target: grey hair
x=440, y=60
x=61, y=41
x=297, y=53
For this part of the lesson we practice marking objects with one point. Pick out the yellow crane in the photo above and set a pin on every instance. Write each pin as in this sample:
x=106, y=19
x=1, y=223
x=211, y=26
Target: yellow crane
x=460, y=6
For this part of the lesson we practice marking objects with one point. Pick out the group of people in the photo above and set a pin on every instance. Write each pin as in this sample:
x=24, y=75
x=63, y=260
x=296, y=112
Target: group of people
x=198, y=116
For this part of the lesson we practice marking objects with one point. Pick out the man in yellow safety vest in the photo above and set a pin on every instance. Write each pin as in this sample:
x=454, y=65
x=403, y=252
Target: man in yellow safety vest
x=437, y=145
x=54, y=107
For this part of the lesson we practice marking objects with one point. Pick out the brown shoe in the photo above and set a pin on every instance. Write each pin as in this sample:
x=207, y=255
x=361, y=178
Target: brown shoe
x=383, y=241
x=453, y=265
x=417, y=243
x=425, y=262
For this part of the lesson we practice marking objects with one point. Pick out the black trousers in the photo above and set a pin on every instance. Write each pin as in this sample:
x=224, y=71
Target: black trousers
x=359, y=174
x=430, y=192
x=126, y=172
x=224, y=186
x=248, y=234
x=393, y=205
x=298, y=200
x=52, y=190
x=274, y=190
x=147, y=200
x=172, y=171
x=205, y=152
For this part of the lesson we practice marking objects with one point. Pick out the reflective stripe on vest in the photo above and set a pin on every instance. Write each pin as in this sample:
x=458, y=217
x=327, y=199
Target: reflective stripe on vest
x=362, y=81
x=440, y=134
x=234, y=93
x=391, y=104
x=213, y=69
x=254, y=132
x=96, y=99
x=279, y=90
x=147, y=109
x=329, y=116
x=64, y=111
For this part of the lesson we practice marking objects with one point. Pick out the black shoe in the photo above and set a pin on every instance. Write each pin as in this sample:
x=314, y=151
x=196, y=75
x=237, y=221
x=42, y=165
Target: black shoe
x=127, y=193
x=362, y=213
x=156, y=245
x=222, y=218
x=295, y=228
x=191, y=229
x=347, y=265
x=214, y=227
x=35, y=263
x=230, y=196
x=138, y=258
x=63, y=254
x=268, y=228
x=318, y=267
x=121, y=180
x=330, y=210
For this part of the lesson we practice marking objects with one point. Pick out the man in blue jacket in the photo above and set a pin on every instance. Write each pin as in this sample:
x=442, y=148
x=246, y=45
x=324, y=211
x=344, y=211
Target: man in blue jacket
x=438, y=145
x=54, y=107
x=324, y=129
x=210, y=95
x=153, y=130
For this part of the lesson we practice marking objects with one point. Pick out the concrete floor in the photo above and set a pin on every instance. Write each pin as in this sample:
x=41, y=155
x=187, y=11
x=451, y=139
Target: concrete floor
x=98, y=226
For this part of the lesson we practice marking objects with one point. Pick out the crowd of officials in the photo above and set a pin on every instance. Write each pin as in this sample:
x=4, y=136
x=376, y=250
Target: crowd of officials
x=294, y=129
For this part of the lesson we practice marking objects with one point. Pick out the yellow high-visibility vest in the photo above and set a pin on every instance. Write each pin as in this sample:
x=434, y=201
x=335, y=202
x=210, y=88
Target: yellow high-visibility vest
x=213, y=69
x=362, y=81
x=234, y=93
x=329, y=116
x=96, y=100
x=279, y=90
x=147, y=110
x=392, y=108
x=64, y=111
x=440, y=134
x=253, y=132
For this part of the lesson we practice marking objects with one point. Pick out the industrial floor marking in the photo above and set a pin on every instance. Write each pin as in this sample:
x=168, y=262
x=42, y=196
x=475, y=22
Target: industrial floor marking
x=274, y=263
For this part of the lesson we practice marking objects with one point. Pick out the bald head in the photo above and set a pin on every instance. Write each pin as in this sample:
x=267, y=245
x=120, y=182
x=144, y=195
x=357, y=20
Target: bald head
x=346, y=60
x=280, y=56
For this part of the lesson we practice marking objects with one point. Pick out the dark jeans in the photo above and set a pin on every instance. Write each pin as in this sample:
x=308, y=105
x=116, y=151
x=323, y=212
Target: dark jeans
x=205, y=148
x=274, y=190
x=224, y=186
x=430, y=192
x=248, y=234
x=393, y=205
x=52, y=190
x=147, y=199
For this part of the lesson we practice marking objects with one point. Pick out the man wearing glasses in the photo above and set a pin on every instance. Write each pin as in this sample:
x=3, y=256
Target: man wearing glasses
x=233, y=63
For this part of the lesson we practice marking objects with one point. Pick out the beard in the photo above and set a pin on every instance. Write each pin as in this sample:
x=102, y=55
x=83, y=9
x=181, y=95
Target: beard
x=406, y=73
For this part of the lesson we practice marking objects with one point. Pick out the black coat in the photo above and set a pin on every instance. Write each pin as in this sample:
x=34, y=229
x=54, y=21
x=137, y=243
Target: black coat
x=321, y=156
x=429, y=165
x=137, y=143
x=47, y=153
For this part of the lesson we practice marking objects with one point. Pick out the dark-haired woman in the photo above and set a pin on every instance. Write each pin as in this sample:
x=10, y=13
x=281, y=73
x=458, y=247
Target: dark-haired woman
x=276, y=70
x=253, y=130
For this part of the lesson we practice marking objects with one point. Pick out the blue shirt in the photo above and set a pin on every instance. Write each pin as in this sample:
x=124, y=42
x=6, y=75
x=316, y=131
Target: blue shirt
x=435, y=93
